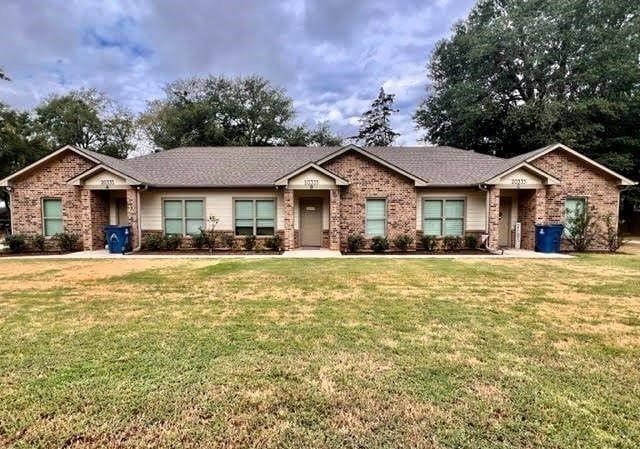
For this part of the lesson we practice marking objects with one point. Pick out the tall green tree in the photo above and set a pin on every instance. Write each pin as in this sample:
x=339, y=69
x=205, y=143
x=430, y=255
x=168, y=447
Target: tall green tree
x=20, y=143
x=517, y=75
x=375, y=124
x=219, y=111
x=320, y=136
x=87, y=119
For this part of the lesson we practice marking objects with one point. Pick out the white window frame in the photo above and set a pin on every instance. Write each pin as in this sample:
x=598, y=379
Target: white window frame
x=183, y=217
x=443, y=218
x=366, y=216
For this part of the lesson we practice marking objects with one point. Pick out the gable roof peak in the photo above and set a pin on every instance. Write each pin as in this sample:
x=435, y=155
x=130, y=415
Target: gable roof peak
x=352, y=147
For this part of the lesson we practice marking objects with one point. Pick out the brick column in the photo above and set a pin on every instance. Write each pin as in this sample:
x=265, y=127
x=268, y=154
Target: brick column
x=85, y=213
x=334, y=219
x=493, y=217
x=95, y=216
x=289, y=243
x=132, y=215
x=541, y=206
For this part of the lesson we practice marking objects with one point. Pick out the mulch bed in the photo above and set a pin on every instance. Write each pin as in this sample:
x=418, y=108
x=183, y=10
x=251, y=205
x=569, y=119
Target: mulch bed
x=198, y=252
x=470, y=252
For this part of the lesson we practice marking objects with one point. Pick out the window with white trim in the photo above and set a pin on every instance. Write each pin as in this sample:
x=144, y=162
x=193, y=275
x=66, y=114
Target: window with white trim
x=52, y=216
x=442, y=217
x=183, y=216
x=254, y=216
x=376, y=217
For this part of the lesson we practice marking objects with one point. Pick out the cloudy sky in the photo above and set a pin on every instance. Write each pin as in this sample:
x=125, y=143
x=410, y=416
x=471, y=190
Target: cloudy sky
x=331, y=56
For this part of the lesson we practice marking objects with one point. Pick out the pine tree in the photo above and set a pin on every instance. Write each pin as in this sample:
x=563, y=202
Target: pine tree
x=375, y=129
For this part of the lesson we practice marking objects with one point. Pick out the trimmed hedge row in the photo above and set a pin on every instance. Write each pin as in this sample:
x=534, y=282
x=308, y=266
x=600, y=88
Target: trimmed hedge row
x=19, y=243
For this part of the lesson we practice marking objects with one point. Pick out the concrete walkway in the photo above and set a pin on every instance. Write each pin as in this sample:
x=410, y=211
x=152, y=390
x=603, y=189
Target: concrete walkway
x=304, y=253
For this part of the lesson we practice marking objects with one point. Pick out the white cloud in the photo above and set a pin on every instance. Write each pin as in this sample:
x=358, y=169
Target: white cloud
x=331, y=56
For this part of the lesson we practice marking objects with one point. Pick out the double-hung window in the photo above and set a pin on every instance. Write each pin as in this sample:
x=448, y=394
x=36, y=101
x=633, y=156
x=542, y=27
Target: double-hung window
x=52, y=216
x=442, y=217
x=182, y=216
x=255, y=216
x=376, y=217
x=573, y=208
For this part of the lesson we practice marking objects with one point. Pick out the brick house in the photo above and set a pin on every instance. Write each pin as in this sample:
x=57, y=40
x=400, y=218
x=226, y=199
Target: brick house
x=311, y=196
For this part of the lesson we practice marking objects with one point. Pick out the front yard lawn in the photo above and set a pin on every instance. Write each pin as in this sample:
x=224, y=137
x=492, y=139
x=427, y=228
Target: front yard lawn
x=321, y=353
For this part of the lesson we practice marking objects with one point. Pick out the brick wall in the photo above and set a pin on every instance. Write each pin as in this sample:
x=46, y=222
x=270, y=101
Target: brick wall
x=578, y=179
x=326, y=241
x=531, y=211
x=368, y=179
x=49, y=181
x=95, y=216
x=99, y=218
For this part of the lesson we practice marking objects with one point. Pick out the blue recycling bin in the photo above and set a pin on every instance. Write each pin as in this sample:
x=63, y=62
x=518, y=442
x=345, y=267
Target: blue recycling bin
x=557, y=230
x=118, y=239
x=548, y=238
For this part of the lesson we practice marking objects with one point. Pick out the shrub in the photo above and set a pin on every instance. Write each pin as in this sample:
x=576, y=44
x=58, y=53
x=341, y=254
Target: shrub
x=274, y=243
x=67, y=242
x=430, y=243
x=152, y=242
x=172, y=242
x=209, y=236
x=38, y=241
x=452, y=242
x=16, y=242
x=227, y=240
x=580, y=229
x=614, y=235
x=403, y=242
x=471, y=241
x=355, y=242
x=201, y=239
x=250, y=242
x=379, y=244
x=214, y=239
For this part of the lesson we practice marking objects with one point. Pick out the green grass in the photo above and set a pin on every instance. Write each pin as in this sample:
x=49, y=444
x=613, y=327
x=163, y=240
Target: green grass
x=321, y=353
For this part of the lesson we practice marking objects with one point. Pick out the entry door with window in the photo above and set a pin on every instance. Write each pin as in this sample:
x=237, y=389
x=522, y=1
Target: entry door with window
x=504, y=230
x=311, y=221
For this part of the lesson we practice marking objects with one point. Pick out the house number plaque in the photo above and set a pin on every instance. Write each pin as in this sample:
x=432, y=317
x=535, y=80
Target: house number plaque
x=311, y=183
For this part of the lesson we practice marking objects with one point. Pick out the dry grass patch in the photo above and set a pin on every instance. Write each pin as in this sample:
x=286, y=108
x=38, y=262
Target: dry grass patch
x=320, y=353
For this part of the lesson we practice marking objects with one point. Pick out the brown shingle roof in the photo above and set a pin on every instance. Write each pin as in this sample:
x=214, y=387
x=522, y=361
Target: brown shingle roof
x=262, y=166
